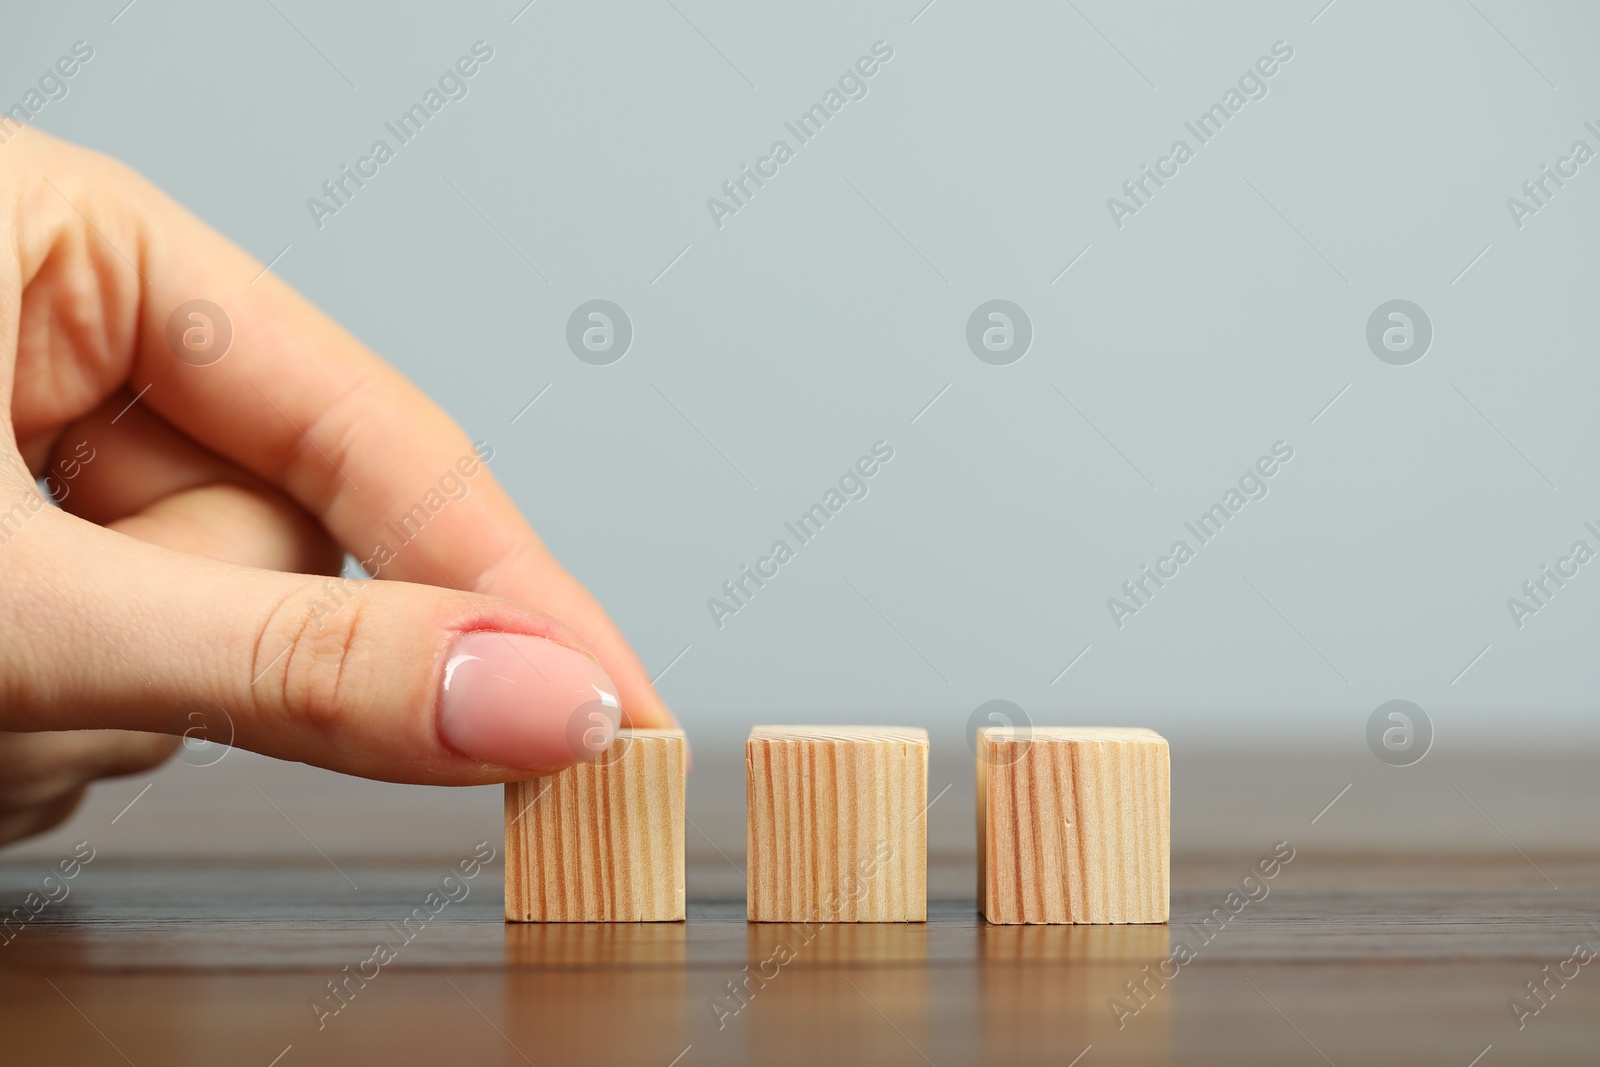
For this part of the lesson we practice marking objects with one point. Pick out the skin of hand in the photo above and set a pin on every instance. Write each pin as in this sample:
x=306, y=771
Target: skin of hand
x=200, y=500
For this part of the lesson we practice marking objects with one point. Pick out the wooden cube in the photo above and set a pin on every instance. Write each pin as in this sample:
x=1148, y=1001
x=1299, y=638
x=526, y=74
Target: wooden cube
x=601, y=841
x=837, y=824
x=1073, y=825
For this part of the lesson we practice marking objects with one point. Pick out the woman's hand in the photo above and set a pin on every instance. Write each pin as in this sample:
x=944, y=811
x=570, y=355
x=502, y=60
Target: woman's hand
x=216, y=443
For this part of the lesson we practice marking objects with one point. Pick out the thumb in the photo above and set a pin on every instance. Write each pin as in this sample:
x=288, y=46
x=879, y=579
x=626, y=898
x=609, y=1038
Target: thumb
x=381, y=679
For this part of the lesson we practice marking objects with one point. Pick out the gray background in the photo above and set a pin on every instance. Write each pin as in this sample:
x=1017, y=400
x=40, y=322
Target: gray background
x=827, y=314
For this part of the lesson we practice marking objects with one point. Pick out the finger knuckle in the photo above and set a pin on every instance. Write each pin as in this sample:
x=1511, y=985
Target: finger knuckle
x=315, y=639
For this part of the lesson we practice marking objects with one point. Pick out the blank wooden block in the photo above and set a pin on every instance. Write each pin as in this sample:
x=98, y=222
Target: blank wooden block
x=601, y=841
x=837, y=824
x=1073, y=825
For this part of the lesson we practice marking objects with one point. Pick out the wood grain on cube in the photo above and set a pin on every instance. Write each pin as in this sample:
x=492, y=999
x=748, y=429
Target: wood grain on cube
x=837, y=827
x=601, y=841
x=1073, y=825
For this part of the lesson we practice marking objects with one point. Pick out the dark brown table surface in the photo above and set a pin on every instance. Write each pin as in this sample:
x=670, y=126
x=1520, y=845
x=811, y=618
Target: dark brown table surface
x=221, y=903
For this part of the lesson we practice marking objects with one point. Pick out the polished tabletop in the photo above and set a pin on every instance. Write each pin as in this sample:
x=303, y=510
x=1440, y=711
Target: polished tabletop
x=1413, y=913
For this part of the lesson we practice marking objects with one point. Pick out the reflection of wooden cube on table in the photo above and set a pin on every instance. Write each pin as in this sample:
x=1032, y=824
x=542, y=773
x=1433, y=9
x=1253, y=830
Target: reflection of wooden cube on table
x=601, y=841
x=1073, y=825
x=837, y=824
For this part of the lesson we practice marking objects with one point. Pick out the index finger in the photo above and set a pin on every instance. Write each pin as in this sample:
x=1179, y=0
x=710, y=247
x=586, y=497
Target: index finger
x=260, y=376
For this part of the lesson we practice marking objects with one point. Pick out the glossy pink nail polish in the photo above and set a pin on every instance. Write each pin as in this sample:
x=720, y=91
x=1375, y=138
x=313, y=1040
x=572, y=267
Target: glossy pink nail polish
x=525, y=702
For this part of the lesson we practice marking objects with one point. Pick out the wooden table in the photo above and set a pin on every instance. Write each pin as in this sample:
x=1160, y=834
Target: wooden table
x=1404, y=953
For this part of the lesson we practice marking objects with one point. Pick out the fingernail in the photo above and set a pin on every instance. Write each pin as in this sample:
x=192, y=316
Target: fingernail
x=525, y=702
